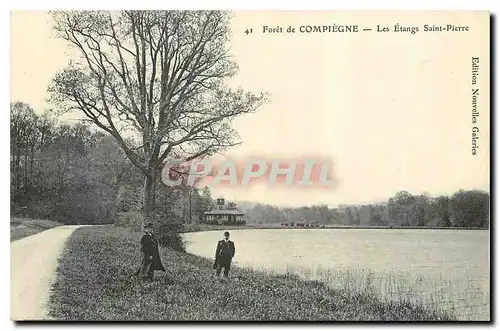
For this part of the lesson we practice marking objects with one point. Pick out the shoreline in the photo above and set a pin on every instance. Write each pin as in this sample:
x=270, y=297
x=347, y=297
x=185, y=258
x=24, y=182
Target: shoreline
x=206, y=227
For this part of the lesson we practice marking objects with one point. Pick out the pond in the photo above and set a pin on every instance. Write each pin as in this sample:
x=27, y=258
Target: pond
x=446, y=269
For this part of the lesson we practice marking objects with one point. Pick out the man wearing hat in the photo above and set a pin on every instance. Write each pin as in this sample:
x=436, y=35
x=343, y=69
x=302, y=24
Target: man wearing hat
x=223, y=255
x=151, y=256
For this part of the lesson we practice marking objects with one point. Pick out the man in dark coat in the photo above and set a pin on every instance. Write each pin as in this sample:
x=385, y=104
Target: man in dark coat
x=223, y=255
x=151, y=256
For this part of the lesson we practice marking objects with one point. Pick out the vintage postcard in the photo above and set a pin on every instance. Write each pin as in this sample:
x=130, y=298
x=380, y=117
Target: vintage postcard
x=250, y=166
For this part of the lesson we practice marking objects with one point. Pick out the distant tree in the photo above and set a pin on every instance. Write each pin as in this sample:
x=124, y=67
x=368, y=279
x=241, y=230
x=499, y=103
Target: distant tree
x=376, y=220
x=420, y=210
x=404, y=198
x=355, y=215
x=402, y=210
x=197, y=206
x=383, y=213
x=349, y=218
x=323, y=214
x=206, y=198
x=23, y=136
x=470, y=208
x=335, y=216
x=442, y=211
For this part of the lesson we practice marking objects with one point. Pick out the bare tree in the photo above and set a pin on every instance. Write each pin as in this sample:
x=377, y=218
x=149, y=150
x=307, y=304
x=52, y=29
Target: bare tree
x=157, y=76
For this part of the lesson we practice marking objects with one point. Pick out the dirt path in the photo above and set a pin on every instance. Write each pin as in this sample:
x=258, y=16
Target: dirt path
x=33, y=262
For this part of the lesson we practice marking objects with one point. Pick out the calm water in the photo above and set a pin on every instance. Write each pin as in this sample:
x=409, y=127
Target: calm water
x=450, y=267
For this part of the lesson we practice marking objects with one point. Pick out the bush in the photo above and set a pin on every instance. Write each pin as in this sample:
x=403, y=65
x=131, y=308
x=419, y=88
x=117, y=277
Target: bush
x=169, y=226
x=167, y=229
x=131, y=219
x=168, y=233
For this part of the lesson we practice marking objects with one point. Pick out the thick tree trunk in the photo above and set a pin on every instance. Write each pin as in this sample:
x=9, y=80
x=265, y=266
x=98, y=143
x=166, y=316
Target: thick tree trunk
x=149, y=198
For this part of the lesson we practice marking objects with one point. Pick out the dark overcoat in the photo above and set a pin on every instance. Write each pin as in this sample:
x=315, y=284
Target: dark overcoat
x=149, y=248
x=224, y=252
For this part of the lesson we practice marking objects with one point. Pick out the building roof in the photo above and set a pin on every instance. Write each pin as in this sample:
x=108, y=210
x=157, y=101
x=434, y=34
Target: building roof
x=224, y=212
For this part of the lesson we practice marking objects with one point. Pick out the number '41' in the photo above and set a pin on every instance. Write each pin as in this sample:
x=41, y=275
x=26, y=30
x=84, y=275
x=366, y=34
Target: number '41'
x=247, y=31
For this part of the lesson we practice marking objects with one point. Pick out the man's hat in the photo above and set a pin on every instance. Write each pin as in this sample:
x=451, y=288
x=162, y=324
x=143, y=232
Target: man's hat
x=226, y=233
x=148, y=225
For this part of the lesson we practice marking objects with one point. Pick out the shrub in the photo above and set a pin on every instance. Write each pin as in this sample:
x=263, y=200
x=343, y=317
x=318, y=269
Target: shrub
x=168, y=232
x=131, y=219
x=169, y=226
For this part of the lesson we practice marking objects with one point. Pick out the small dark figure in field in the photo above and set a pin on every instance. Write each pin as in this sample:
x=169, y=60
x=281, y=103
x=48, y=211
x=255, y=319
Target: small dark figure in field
x=150, y=255
x=223, y=255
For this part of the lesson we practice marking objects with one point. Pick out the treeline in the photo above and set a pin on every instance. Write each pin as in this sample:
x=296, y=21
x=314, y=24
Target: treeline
x=74, y=174
x=464, y=209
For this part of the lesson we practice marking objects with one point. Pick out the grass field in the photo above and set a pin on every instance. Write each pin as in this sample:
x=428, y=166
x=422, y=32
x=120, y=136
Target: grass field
x=95, y=282
x=23, y=227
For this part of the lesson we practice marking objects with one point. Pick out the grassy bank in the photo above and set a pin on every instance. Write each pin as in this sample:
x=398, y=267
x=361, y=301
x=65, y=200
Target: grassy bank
x=95, y=282
x=24, y=227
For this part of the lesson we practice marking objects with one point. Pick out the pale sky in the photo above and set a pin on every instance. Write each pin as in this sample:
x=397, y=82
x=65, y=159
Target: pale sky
x=391, y=110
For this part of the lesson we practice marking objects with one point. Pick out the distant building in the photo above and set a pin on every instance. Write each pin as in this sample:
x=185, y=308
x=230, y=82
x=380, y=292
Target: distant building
x=225, y=214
